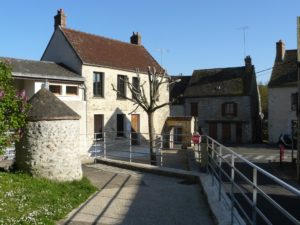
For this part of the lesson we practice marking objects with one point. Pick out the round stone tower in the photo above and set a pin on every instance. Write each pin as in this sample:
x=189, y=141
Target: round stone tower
x=49, y=147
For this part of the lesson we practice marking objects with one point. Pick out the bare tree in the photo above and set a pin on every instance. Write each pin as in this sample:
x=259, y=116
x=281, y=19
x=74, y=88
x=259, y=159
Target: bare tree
x=148, y=103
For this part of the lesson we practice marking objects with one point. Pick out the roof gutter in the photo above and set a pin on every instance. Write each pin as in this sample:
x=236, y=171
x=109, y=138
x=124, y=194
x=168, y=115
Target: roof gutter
x=42, y=76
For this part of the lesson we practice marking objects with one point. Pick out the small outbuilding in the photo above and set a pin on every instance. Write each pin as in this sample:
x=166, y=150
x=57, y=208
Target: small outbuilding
x=49, y=147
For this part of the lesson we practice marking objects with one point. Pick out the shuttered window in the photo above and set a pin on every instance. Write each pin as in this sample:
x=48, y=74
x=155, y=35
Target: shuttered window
x=194, y=108
x=121, y=83
x=229, y=109
x=136, y=87
x=98, y=84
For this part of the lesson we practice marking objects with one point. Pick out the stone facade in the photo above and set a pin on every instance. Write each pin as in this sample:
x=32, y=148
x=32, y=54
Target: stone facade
x=49, y=149
x=210, y=111
x=109, y=106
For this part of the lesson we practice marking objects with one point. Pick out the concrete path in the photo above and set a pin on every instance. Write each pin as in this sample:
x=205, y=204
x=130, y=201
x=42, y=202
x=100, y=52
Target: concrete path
x=127, y=197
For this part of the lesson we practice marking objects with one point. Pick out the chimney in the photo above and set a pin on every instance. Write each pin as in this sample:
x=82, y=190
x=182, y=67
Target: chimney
x=136, y=38
x=60, y=19
x=280, y=51
x=248, y=64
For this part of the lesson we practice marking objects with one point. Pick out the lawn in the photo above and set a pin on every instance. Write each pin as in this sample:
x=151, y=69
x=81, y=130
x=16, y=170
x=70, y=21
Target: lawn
x=28, y=200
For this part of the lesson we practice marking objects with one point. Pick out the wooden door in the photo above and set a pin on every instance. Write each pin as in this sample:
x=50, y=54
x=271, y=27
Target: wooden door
x=135, y=128
x=213, y=130
x=226, y=132
x=239, y=133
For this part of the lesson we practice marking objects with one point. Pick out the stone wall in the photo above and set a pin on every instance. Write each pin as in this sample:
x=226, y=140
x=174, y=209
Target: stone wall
x=210, y=110
x=110, y=106
x=50, y=149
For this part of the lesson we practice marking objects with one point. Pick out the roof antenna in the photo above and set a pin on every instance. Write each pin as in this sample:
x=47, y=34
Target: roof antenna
x=162, y=52
x=244, y=28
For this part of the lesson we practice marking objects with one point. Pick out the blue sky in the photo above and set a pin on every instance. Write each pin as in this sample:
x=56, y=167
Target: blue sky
x=192, y=34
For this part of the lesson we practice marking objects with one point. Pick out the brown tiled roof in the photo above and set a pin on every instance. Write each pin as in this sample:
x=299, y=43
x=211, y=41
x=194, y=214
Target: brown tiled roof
x=285, y=73
x=101, y=51
x=233, y=81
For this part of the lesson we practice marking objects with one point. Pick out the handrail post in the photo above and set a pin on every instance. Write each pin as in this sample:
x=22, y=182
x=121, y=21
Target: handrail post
x=220, y=172
x=254, y=196
x=104, y=144
x=130, y=147
x=232, y=186
x=160, y=150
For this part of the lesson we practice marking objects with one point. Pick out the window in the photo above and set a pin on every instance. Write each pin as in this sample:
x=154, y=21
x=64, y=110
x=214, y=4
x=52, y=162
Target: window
x=229, y=109
x=194, y=109
x=71, y=90
x=136, y=86
x=98, y=84
x=120, y=125
x=121, y=82
x=294, y=101
x=98, y=125
x=55, y=89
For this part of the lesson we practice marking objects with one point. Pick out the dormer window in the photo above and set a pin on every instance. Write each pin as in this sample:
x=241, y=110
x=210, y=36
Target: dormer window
x=229, y=109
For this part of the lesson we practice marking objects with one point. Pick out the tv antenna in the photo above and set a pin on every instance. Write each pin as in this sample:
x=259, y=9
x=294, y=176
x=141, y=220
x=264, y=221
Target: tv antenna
x=244, y=28
x=162, y=52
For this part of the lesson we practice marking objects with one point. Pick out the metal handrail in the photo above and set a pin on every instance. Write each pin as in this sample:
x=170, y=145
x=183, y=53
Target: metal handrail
x=215, y=150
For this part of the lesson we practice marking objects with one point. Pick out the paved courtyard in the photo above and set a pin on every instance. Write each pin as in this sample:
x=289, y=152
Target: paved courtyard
x=128, y=197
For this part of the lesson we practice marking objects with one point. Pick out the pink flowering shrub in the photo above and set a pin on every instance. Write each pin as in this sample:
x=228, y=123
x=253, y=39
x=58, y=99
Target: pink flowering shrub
x=13, y=109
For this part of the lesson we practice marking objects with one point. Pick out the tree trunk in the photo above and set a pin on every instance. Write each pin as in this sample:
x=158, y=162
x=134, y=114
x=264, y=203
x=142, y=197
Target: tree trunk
x=151, y=138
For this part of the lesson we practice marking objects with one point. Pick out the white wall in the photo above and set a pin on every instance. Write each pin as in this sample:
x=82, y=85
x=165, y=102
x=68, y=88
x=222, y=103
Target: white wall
x=280, y=112
x=60, y=51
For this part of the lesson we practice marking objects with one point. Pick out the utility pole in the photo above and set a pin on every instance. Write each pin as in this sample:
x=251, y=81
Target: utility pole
x=244, y=28
x=298, y=106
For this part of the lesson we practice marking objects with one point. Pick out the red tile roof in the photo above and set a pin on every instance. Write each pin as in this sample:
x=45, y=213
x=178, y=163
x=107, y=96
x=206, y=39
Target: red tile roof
x=101, y=51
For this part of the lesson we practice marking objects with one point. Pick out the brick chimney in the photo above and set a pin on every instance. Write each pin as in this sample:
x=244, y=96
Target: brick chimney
x=280, y=51
x=60, y=19
x=248, y=64
x=136, y=38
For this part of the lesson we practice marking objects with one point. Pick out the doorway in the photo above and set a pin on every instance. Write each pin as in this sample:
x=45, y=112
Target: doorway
x=135, y=129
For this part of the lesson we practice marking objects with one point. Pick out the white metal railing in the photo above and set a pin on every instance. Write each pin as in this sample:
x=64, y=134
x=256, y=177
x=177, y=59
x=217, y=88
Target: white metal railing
x=133, y=146
x=217, y=163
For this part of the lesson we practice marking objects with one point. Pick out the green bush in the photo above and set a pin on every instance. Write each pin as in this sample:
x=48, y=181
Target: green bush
x=13, y=109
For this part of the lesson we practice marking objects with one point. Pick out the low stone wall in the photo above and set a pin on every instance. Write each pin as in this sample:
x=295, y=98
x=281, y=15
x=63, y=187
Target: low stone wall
x=50, y=149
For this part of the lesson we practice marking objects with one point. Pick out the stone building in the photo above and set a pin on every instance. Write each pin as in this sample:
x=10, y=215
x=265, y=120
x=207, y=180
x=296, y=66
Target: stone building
x=283, y=94
x=30, y=76
x=104, y=62
x=49, y=147
x=80, y=69
x=225, y=102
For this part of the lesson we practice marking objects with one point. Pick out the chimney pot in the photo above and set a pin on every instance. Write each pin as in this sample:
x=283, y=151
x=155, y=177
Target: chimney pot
x=280, y=51
x=248, y=63
x=59, y=19
x=136, y=38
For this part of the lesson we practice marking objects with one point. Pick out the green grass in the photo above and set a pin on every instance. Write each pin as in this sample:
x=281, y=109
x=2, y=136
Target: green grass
x=28, y=200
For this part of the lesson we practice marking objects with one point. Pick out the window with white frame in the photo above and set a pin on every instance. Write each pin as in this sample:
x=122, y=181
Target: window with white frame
x=55, y=89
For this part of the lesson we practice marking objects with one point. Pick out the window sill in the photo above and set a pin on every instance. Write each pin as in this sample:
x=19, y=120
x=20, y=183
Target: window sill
x=98, y=97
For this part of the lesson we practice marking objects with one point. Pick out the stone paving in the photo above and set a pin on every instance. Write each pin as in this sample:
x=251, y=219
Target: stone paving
x=127, y=197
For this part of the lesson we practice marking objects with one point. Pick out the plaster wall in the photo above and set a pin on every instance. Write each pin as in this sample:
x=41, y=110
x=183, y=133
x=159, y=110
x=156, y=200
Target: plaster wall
x=60, y=51
x=281, y=114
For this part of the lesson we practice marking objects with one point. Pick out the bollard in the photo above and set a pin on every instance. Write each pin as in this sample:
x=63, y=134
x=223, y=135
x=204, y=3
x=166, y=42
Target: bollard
x=281, y=153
